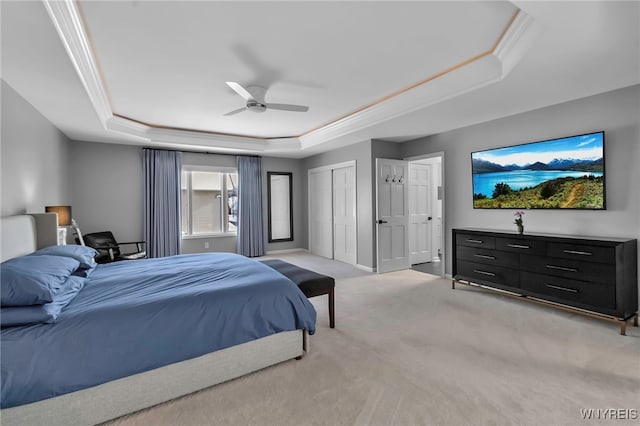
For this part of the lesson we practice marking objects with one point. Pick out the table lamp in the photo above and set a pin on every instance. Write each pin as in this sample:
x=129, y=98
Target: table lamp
x=64, y=220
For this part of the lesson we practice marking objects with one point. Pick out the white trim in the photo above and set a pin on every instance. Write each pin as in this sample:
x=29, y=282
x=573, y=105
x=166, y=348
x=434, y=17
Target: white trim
x=211, y=169
x=67, y=20
x=365, y=268
x=128, y=127
x=207, y=236
x=425, y=156
x=294, y=250
x=516, y=41
x=333, y=166
x=476, y=74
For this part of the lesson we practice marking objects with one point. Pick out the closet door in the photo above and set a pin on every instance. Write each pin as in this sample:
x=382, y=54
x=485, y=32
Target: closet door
x=344, y=214
x=320, y=214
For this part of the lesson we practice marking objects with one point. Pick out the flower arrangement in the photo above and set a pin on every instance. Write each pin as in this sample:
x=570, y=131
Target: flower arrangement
x=518, y=214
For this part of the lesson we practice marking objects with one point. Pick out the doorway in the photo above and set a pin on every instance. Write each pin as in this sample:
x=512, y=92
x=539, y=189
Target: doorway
x=332, y=212
x=426, y=213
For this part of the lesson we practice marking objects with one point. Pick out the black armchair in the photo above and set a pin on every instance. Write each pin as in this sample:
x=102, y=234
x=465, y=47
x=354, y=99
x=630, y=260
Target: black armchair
x=109, y=249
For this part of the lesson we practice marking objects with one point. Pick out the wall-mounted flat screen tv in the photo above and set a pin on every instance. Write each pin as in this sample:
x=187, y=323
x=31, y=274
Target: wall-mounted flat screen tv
x=564, y=173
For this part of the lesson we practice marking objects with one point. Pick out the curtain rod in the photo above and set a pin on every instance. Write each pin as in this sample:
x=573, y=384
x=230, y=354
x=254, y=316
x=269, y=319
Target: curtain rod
x=200, y=152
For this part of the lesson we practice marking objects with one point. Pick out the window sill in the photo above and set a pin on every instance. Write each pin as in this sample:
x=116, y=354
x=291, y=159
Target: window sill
x=207, y=236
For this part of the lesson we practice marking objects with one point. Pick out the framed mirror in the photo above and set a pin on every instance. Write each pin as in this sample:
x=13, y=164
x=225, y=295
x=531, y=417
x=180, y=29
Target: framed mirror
x=280, y=207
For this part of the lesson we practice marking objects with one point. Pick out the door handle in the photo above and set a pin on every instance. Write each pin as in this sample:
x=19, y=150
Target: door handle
x=380, y=221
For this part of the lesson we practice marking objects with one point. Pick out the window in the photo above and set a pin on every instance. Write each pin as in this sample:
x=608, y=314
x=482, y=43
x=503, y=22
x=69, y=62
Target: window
x=209, y=202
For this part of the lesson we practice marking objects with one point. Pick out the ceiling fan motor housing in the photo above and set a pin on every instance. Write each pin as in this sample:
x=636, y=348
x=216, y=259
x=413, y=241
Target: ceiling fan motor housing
x=256, y=106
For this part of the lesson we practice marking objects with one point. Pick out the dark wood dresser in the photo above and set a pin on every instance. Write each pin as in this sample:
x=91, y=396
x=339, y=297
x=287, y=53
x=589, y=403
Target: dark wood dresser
x=590, y=275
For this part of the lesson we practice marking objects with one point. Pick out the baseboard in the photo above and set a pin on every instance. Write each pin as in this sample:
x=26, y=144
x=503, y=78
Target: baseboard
x=365, y=268
x=286, y=251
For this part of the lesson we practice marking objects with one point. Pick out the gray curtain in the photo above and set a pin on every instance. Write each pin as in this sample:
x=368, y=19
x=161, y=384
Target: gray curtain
x=162, y=202
x=250, y=223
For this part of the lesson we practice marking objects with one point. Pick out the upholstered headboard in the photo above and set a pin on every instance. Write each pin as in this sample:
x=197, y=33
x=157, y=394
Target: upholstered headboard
x=24, y=234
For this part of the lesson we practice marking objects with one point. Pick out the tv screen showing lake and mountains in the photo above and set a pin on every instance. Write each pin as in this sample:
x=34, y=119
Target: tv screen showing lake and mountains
x=566, y=173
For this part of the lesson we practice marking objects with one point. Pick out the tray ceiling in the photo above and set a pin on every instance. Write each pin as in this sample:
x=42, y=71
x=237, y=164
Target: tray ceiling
x=154, y=73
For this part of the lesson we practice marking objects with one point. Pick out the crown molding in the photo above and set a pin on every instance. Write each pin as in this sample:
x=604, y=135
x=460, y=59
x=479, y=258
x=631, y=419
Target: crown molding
x=484, y=69
x=516, y=41
x=214, y=141
x=126, y=126
x=68, y=23
x=473, y=75
x=200, y=140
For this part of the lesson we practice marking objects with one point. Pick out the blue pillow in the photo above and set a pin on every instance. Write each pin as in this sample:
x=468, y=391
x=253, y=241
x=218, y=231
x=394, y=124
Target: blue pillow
x=32, y=280
x=47, y=313
x=83, y=254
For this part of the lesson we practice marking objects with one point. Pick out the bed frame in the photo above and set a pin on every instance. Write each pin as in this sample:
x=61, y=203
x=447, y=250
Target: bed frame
x=24, y=234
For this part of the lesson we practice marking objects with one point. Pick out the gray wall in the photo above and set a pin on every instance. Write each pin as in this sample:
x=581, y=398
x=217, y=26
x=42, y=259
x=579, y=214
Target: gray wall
x=299, y=203
x=361, y=153
x=35, y=158
x=108, y=193
x=614, y=112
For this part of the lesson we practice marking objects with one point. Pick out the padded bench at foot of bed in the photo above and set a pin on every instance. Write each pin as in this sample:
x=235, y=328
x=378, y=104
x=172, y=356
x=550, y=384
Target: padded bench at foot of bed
x=310, y=283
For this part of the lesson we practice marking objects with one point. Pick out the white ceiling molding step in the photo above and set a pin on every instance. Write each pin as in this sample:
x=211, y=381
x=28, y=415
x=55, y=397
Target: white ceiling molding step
x=283, y=145
x=474, y=75
x=126, y=126
x=516, y=41
x=68, y=23
x=216, y=141
x=486, y=68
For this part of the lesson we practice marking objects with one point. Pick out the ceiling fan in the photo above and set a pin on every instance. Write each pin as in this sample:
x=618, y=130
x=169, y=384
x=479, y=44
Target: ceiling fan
x=254, y=96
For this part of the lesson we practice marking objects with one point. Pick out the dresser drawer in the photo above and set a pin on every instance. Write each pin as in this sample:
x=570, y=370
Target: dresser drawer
x=520, y=245
x=471, y=240
x=568, y=291
x=488, y=256
x=582, y=252
x=573, y=269
x=481, y=273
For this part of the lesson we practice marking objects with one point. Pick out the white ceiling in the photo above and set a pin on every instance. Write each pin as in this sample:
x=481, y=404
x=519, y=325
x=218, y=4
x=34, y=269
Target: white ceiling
x=161, y=67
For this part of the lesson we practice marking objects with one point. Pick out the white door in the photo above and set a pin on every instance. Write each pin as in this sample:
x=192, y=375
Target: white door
x=420, y=214
x=392, y=213
x=320, y=214
x=344, y=214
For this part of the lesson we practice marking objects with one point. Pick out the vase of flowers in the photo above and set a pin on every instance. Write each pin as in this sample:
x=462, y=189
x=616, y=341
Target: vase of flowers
x=518, y=214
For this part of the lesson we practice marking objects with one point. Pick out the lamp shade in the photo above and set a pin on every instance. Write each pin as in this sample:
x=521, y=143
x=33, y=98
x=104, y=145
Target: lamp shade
x=64, y=214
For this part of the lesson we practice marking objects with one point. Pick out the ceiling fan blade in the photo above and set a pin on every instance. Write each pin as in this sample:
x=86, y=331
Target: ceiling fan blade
x=240, y=90
x=236, y=111
x=288, y=107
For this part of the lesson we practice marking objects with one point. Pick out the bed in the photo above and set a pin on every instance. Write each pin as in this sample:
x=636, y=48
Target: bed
x=142, y=332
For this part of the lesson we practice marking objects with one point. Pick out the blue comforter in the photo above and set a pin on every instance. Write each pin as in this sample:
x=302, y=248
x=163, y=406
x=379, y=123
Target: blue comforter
x=134, y=316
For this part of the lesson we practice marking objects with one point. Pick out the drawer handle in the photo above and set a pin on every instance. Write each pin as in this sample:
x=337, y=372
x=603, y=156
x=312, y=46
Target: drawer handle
x=475, y=241
x=484, y=256
x=520, y=246
x=562, y=268
x=477, y=271
x=570, y=290
x=582, y=253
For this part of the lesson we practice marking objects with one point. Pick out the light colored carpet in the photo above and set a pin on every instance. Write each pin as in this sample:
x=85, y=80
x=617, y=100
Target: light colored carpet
x=409, y=350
